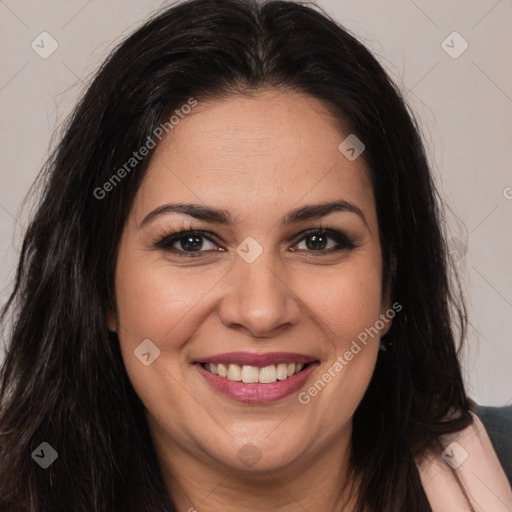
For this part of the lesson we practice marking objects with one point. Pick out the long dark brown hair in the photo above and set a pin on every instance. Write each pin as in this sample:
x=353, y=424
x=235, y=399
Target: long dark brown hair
x=63, y=380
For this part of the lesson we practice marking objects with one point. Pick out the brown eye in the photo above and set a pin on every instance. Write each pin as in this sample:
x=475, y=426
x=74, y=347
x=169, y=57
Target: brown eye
x=318, y=240
x=186, y=243
x=192, y=242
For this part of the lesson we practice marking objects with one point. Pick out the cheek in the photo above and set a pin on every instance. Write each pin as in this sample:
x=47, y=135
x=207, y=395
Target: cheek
x=162, y=306
x=168, y=307
x=348, y=314
x=153, y=300
x=347, y=301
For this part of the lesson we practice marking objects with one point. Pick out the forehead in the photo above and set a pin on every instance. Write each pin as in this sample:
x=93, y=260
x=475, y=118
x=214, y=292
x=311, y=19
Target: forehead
x=273, y=149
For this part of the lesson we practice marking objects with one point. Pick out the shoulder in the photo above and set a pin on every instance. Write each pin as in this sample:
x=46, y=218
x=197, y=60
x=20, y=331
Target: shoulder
x=465, y=468
x=498, y=424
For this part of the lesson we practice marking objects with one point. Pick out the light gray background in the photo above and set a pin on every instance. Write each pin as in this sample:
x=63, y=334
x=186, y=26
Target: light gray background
x=464, y=106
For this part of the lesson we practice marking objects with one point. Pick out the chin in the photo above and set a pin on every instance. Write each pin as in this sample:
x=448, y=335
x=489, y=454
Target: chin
x=259, y=456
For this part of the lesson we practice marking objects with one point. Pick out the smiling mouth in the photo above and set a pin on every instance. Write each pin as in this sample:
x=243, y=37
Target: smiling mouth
x=254, y=374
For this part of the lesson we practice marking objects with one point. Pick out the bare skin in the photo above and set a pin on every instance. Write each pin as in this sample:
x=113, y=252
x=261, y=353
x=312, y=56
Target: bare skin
x=258, y=158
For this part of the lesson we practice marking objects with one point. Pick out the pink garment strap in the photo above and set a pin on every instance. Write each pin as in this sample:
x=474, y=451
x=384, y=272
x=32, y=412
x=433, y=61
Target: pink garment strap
x=469, y=458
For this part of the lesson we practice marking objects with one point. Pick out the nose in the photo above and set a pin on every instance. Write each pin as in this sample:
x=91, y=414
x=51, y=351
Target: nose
x=258, y=298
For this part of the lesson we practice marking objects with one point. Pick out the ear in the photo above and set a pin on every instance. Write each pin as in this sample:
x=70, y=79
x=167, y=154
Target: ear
x=387, y=321
x=386, y=317
x=111, y=320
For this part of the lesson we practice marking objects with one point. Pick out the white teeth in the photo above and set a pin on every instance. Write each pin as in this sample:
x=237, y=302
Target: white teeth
x=234, y=372
x=267, y=374
x=222, y=369
x=252, y=374
x=249, y=374
x=282, y=372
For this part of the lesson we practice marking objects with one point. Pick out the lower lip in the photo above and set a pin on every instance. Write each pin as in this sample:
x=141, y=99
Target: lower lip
x=258, y=393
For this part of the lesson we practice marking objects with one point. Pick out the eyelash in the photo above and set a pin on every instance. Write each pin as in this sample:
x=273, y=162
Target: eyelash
x=167, y=240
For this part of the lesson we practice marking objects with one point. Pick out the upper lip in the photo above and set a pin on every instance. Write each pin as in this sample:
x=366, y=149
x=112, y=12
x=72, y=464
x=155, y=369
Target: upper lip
x=255, y=359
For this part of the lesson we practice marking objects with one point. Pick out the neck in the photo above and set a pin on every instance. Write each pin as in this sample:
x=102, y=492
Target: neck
x=318, y=482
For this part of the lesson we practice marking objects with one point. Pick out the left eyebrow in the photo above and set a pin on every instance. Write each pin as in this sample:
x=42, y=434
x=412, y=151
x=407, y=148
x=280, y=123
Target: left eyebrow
x=315, y=211
x=215, y=215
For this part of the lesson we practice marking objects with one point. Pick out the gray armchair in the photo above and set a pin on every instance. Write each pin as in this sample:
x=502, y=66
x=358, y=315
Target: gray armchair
x=498, y=423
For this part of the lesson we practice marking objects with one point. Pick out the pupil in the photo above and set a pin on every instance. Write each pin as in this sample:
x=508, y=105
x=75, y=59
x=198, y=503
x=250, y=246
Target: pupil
x=194, y=242
x=318, y=242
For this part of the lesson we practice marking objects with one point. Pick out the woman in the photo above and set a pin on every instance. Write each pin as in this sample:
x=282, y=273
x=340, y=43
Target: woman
x=234, y=293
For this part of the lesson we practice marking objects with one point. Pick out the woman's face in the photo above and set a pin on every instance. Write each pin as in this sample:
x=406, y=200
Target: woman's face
x=254, y=296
